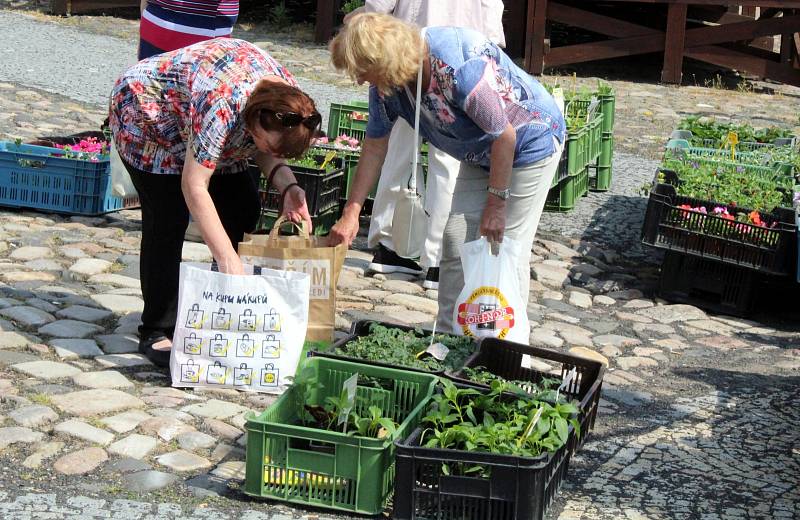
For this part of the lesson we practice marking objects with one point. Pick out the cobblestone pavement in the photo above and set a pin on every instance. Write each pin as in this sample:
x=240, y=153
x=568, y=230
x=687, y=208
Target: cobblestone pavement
x=698, y=417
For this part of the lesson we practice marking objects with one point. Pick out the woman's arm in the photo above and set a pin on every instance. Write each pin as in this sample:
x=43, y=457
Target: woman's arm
x=373, y=152
x=294, y=203
x=143, y=6
x=194, y=184
x=501, y=161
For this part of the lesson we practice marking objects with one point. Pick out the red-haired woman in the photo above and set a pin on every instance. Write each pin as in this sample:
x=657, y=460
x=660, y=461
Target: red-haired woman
x=185, y=124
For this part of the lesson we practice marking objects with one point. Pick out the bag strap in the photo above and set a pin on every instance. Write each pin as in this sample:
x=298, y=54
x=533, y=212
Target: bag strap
x=412, y=185
x=301, y=227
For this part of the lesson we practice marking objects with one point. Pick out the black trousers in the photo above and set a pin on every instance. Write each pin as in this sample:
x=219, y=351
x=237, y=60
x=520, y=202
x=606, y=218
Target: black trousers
x=165, y=218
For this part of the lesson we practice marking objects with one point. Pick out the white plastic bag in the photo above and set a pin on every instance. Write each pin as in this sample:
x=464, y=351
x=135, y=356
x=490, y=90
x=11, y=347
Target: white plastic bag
x=490, y=303
x=121, y=183
x=410, y=222
x=226, y=328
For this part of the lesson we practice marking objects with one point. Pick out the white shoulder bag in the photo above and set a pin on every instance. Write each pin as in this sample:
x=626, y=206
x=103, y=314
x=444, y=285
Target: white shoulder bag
x=410, y=222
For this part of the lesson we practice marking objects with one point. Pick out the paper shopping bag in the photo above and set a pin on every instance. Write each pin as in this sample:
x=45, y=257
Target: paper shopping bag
x=247, y=321
x=192, y=344
x=245, y=346
x=228, y=357
x=271, y=348
x=217, y=374
x=306, y=254
x=490, y=303
x=218, y=346
x=242, y=375
x=272, y=321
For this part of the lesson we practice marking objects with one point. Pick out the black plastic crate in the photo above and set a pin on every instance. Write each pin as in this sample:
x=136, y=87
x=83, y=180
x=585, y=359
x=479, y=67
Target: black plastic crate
x=323, y=189
x=361, y=328
x=506, y=359
x=768, y=250
x=714, y=286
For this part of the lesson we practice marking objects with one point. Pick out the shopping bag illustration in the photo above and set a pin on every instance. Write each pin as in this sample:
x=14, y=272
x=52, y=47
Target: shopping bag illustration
x=194, y=318
x=245, y=346
x=192, y=344
x=218, y=346
x=269, y=375
x=271, y=348
x=272, y=321
x=190, y=372
x=217, y=373
x=247, y=321
x=242, y=375
x=221, y=320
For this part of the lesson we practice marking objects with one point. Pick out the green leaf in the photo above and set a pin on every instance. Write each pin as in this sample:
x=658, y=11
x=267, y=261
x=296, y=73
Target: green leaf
x=562, y=429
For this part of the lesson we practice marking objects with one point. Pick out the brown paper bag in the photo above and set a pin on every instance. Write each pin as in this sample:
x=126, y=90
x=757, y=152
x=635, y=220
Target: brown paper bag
x=307, y=254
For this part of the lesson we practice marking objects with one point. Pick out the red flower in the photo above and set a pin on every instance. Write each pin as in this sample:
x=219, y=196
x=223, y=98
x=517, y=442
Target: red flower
x=136, y=87
x=223, y=115
x=224, y=90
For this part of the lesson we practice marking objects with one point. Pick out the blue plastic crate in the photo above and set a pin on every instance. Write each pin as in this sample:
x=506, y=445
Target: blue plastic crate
x=40, y=177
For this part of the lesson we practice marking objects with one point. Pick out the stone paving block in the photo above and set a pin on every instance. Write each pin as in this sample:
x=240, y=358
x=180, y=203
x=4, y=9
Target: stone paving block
x=13, y=340
x=134, y=446
x=70, y=329
x=123, y=360
x=167, y=428
x=75, y=348
x=147, y=481
x=81, y=430
x=81, y=462
x=673, y=313
x=214, y=409
x=126, y=465
x=31, y=253
x=45, y=451
x=550, y=275
x=615, y=340
x=90, y=266
x=232, y=470
x=17, y=277
x=116, y=280
x=27, y=316
x=183, y=461
x=119, y=303
x=42, y=305
x=589, y=354
x=194, y=440
x=15, y=434
x=95, y=402
x=83, y=313
x=118, y=343
x=126, y=421
x=223, y=429
x=33, y=416
x=102, y=379
x=47, y=370
x=402, y=287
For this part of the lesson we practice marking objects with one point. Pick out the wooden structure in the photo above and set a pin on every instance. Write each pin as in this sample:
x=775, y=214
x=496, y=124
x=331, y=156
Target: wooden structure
x=68, y=7
x=727, y=42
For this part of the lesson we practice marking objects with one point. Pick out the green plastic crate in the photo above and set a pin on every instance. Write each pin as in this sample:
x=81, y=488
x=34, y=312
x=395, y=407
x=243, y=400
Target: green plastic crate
x=563, y=197
x=601, y=180
x=349, y=119
x=290, y=462
x=607, y=107
x=577, y=141
x=682, y=148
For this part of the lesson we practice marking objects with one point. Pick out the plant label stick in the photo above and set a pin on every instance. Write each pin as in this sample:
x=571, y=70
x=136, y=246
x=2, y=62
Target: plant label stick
x=529, y=429
x=349, y=388
x=437, y=350
x=568, y=378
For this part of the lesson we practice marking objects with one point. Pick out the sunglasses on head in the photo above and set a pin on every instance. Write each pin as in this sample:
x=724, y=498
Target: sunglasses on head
x=292, y=119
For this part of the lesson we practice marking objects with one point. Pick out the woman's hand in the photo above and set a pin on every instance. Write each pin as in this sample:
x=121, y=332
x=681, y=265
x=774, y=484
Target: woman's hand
x=231, y=264
x=493, y=219
x=344, y=231
x=295, y=207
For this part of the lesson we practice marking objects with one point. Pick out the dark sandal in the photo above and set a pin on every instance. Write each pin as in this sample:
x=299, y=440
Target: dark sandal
x=159, y=358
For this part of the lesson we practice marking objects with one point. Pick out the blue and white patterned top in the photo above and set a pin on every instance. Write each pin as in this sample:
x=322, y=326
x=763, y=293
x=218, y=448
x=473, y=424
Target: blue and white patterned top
x=474, y=92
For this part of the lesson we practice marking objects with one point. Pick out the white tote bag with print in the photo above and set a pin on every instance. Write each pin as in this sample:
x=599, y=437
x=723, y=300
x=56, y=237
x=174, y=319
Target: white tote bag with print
x=490, y=305
x=227, y=335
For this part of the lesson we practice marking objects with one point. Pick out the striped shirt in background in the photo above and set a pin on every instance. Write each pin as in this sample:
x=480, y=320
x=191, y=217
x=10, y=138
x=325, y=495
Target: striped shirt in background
x=167, y=25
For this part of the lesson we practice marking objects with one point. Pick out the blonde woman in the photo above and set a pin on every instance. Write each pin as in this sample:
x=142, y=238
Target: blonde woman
x=478, y=107
x=485, y=16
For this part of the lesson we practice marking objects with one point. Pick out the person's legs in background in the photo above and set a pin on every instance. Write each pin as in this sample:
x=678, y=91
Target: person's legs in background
x=394, y=175
x=529, y=188
x=442, y=173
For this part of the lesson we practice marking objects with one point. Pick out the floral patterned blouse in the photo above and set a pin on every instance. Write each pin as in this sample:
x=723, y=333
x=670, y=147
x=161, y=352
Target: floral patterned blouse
x=474, y=93
x=195, y=94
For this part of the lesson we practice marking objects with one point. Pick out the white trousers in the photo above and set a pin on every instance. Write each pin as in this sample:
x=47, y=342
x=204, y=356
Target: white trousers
x=438, y=192
x=529, y=187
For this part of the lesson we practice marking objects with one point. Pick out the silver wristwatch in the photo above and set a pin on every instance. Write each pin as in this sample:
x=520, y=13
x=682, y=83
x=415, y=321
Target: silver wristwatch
x=503, y=194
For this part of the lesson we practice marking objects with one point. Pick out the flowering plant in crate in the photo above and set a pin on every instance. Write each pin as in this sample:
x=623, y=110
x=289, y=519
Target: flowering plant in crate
x=89, y=149
x=343, y=142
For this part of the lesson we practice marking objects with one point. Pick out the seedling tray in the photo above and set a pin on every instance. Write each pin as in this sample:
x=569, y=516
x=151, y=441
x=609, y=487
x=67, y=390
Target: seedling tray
x=510, y=361
x=768, y=250
x=289, y=462
x=362, y=328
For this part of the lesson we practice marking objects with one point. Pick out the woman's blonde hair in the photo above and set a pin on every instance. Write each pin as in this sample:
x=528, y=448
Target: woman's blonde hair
x=387, y=49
